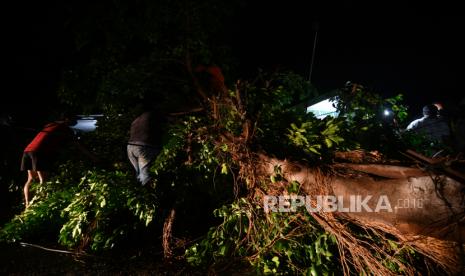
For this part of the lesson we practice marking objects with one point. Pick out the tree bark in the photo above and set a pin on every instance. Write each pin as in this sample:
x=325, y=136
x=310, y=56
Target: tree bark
x=421, y=204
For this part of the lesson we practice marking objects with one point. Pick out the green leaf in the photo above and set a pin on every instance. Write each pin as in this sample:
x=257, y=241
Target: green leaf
x=222, y=250
x=275, y=260
x=103, y=202
x=328, y=142
x=312, y=149
x=224, y=168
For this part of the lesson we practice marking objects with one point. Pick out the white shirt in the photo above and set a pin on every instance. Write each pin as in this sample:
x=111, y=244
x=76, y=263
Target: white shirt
x=432, y=127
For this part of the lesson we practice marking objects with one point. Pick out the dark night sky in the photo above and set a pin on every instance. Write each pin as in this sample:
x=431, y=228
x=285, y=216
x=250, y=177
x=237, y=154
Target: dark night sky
x=416, y=50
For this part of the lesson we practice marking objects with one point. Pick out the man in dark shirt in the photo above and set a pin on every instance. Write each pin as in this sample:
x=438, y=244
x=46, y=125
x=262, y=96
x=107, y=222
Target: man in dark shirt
x=144, y=143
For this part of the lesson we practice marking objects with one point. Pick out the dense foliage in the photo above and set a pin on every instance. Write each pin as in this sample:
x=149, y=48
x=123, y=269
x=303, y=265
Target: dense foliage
x=295, y=243
x=100, y=206
x=206, y=167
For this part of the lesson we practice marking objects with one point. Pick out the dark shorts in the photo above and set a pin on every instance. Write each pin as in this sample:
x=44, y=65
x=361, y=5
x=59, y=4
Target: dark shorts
x=34, y=161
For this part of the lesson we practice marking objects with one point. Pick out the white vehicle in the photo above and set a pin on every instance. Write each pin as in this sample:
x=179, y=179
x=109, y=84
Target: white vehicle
x=86, y=123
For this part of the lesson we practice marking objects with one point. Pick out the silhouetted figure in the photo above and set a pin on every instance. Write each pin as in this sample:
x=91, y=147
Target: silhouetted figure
x=145, y=143
x=211, y=79
x=434, y=128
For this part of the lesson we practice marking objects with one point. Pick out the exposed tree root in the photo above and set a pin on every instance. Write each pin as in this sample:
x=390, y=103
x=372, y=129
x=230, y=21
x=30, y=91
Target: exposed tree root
x=435, y=229
x=167, y=234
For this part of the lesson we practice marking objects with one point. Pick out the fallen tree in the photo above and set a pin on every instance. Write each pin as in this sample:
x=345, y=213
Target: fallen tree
x=428, y=212
x=423, y=209
x=249, y=144
x=419, y=203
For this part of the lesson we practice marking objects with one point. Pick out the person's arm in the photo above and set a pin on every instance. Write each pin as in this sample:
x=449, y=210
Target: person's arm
x=73, y=139
x=86, y=152
x=412, y=125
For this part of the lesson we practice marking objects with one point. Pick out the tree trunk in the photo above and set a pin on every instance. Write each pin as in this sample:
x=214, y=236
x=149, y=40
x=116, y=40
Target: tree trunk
x=420, y=204
x=167, y=234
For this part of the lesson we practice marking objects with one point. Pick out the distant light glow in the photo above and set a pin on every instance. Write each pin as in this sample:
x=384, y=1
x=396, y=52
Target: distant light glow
x=323, y=109
x=387, y=112
x=85, y=125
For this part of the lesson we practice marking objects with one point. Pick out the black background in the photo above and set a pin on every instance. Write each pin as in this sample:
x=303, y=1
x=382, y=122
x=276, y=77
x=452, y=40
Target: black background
x=417, y=50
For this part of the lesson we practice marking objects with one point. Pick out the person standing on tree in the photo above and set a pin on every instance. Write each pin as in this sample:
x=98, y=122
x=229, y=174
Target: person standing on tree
x=42, y=151
x=144, y=143
x=435, y=129
x=210, y=79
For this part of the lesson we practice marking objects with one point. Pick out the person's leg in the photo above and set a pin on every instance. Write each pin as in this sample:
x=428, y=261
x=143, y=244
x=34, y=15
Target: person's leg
x=30, y=177
x=42, y=176
x=132, y=155
x=28, y=164
x=146, y=158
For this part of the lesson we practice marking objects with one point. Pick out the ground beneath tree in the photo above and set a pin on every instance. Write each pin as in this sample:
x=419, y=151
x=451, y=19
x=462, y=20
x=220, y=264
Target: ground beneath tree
x=17, y=259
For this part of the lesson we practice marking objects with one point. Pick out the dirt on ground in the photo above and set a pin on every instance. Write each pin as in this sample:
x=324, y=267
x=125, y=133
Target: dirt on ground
x=20, y=259
x=28, y=259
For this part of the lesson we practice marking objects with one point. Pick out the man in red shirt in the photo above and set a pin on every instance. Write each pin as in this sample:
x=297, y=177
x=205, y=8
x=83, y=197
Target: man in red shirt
x=38, y=155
